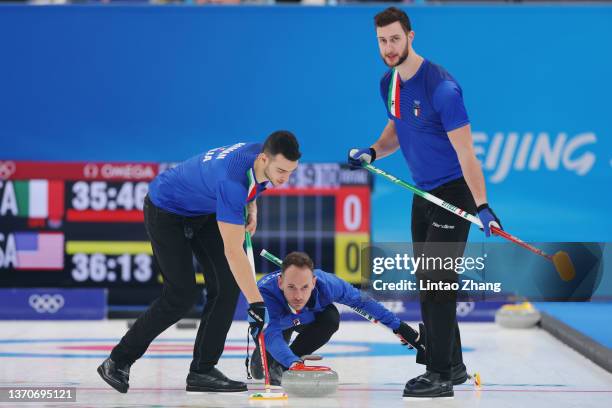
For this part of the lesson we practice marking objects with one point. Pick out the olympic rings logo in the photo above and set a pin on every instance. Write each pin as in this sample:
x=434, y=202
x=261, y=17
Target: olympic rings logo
x=46, y=303
x=7, y=168
x=465, y=308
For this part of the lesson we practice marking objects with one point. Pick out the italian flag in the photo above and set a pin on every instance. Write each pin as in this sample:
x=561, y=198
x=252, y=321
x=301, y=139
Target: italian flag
x=252, y=185
x=393, y=99
x=40, y=199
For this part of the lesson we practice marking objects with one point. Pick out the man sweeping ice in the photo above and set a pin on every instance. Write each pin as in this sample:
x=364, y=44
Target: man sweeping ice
x=197, y=208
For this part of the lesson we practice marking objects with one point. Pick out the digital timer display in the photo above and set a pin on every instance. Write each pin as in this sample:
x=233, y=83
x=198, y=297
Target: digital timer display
x=80, y=224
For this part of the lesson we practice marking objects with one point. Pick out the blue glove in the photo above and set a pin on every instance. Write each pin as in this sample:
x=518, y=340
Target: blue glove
x=488, y=218
x=356, y=156
x=258, y=318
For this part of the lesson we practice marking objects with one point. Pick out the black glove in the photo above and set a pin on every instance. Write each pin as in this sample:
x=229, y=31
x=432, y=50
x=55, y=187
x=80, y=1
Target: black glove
x=258, y=318
x=357, y=156
x=409, y=337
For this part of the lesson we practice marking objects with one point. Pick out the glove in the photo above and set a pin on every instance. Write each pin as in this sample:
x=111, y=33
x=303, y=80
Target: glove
x=409, y=337
x=297, y=365
x=488, y=218
x=258, y=318
x=356, y=156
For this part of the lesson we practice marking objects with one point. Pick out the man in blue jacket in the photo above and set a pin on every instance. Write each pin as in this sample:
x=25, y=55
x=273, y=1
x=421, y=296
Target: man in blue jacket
x=198, y=208
x=300, y=298
x=427, y=120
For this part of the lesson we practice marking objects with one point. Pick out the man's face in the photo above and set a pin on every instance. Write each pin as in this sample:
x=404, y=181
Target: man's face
x=297, y=285
x=278, y=169
x=393, y=43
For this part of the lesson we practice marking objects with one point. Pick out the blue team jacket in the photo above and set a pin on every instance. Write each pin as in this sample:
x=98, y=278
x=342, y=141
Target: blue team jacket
x=329, y=288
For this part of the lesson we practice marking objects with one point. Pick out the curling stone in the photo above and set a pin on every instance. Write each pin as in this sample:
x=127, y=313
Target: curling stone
x=310, y=380
x=519, y=316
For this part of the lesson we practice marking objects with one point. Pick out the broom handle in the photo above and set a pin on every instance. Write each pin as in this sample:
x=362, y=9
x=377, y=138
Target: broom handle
x=455, y=210
x=260, y=338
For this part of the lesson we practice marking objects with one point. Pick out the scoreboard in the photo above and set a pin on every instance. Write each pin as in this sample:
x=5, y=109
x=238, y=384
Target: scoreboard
x=324, y=210
x=70, y=224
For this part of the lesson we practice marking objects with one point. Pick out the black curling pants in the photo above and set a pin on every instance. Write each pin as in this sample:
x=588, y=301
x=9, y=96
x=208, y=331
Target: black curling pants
x=175, y=239
x=436, y=232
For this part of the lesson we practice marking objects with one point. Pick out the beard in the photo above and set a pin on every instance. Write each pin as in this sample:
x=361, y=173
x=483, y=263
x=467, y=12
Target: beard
x=265, y=172
x=401, y=59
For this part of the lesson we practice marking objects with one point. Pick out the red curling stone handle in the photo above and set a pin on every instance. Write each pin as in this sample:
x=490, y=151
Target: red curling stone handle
x=303, y=367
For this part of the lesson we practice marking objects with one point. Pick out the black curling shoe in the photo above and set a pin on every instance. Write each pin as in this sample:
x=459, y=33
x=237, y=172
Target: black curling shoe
x=275, y=369
x=427, y=386
x=213, y=381
x=256, y=367
x=276, y=372
x=458, y=375
x=115, y=375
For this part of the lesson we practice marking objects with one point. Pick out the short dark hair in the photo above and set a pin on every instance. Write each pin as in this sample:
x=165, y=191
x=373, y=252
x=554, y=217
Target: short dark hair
x=299, y=259
x=391, y=15
x=282, y=142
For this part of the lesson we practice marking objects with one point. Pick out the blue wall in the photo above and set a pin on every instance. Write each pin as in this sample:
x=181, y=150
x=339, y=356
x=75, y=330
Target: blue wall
x=162, y=83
